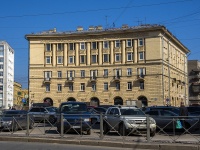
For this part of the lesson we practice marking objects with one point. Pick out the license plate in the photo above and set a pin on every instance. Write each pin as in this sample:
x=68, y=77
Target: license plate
x=76, y=127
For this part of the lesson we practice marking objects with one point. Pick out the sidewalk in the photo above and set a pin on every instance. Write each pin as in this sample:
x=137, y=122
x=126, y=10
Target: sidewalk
x=134, y=145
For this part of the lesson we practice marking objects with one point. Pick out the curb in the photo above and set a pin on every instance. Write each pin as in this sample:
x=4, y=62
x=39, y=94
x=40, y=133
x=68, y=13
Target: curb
x=135, y=145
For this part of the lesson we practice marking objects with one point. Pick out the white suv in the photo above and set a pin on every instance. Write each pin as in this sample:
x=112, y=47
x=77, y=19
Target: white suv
x=127, y=120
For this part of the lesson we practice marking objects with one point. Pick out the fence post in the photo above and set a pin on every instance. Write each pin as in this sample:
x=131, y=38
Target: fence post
x=148, y=129
x=101, y=126
x=27, y=123
x=62, y=125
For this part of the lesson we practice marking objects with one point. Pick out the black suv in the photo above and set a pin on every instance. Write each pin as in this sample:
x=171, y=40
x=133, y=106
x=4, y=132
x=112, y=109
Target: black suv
x=43, y=113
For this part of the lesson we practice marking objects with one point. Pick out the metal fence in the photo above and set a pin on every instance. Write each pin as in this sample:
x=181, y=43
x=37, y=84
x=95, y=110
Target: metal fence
x=168, y=129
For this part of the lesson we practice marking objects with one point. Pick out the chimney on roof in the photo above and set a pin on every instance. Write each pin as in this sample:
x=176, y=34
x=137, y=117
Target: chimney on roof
x=79, y=28
x=99, y=28
x=91, y=28
x=54, y=30
x=124, y=26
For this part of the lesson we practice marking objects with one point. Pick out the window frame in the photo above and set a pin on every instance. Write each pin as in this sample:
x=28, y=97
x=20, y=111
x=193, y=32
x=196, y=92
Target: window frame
x=60, y=46
x=48, y=59
x=82, y=56
x=48, y=47
x=71, y=87
x=129, y=43
x=129, y=71
x=59, y=87
x=82, y=45
x=59, y=74
x=47, y=87
x=82, y=72
x=117, y=43
x=72, y=46
x=104, y=71
x=92, y=59
x=107, y=58
x=71, y=59
x=129, y=54
x=129, y=86
x=117, y=86
x=94, y=86
x=82, y=87
x=105, y=86
x=59, y=59
x=94, y=47
x=106, y=45
x=141, y=42
x=118, y=57
x=141, y=56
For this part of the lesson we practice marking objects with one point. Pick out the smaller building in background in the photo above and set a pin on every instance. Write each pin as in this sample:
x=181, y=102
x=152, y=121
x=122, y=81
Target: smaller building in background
x=20, y=96
x=194, y=82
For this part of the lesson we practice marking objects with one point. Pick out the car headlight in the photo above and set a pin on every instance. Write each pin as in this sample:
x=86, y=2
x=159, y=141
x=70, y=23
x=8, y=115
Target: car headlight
x=7, y=122
x=131, y=121
x=152, y=121
x=87, y=119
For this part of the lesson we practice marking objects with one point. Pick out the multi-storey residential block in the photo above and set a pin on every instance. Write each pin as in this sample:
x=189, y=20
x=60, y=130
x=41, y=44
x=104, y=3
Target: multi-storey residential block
x=194, y=82
x=6, y=75
x=145, y=64
x=20, y=95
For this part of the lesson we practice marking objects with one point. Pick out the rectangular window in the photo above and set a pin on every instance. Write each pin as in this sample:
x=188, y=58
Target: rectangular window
x=94, y=45
x=71, y=73
x=93, y=73
x=117, y=72
x=141, y=42
x=105, y=72
x=105, y=86
x=93, y=86
x=47, y=74
x=60, y=59
x=59, y=74
x=141, y=55
x=141, y=72
x=1, y=66
x=105, y=44
x=1, y=47
x=60, y=46
x=71, y=59
x=82, y=88
x=1, y=59
x=141, y=85
x=1, y=80
x=106, y=57
x=117, y=85
x=71, y=87
x=129, y=43
x=48, y=47
x=129, y=85
x=82, y=59
x=1, y=74
x=117, y=57
x=82, y=46
x=47, y=87
x=129, y=71
x=1, y=52
x=48, y=59
x=1, y=88
x=94, y=59
x=129, y=56
x=59, y=87
x=82, y=73
x=117, y=43
x=71, y=46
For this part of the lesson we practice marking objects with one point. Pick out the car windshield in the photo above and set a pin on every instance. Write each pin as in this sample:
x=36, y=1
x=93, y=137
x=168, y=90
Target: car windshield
x=10, y=113
x=73, y=108
x=51, y=109
x=136, y=112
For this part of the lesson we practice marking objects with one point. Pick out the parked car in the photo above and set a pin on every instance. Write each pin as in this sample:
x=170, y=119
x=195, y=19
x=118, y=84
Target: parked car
x=13, y=120
x=76, y=117
x=194, y=110
x=40, y=114
x=166, y=119
x=170, y=108
x=96, y=111
x=127, y=120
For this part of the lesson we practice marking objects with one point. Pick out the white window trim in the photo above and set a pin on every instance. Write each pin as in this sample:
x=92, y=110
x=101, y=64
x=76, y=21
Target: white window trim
x=142, y=55
x=82, y=73
x=95, y=58
x=117, y=42
x=118, y=54
x=94, y=87
x=94, y=47
x=108, y=58
x=127, y=41
x=139, y=41
x=131, y=54
x=59, y=87
x=107, y=44
x=81, y=59
x=82, y=44
x=71, y=57
x=48, y=58
x=60, y=58
x=82, y=87
x=129, y=85
x=129, y=71
x=105, y=83
x=73, y=47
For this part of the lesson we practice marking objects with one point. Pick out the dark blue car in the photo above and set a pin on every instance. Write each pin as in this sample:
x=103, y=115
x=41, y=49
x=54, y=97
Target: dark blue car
x=75, y=117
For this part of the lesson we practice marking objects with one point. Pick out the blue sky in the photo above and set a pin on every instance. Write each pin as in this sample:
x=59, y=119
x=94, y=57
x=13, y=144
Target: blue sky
x=21, y=17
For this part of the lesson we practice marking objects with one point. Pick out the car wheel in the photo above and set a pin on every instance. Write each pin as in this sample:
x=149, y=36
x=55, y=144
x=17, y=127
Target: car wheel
x=105, y=128
x=152, y=134
x=52, y=119
x=88, y=132
x=122, y=130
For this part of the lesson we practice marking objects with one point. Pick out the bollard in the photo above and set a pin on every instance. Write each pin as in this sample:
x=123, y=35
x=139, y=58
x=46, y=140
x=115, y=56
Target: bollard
x=148, y=129
x=27, y=124
x=101, y=126
x=62, y=125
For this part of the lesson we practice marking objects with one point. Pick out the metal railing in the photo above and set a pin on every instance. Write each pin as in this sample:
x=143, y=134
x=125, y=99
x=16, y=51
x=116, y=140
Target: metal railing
x=68, y=126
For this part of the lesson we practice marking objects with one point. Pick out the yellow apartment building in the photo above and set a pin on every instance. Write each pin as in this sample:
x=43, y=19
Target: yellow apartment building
x=20, y=95
x=143, y=64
